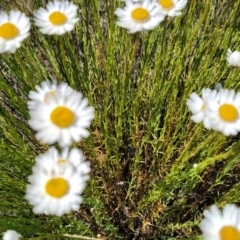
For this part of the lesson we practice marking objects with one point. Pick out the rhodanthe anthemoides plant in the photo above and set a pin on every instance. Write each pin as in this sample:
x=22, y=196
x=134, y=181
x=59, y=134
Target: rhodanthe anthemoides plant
x=57, y=182
x=144, y=15
x=58, y=17
x=62, y=116
x=171, y=8
x=44, y=89
x=218, y=110
x=14, y=28
x=224, y=225
x=197, y=106
x=58, y=179
x=142, y=169
x=233, y=58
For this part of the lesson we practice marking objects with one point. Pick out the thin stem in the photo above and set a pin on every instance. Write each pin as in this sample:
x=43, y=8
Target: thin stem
x=129, y=68
x=24, y=68
x=179, y=163
x=126, y=85
x=211, y=160
x=81, y=237
x=63, y=57
x=159, y=56
x=64, y=235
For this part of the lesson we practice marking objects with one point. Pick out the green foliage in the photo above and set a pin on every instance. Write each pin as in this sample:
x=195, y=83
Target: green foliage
x=143, y=144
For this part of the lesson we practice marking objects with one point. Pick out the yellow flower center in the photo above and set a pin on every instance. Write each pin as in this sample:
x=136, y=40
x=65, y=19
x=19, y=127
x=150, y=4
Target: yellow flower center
x=166, y=3
x=56, y=187
x=57, y=18
x=140, y=14
x=228, y=112
x=8, y=31
x=204, y=107
x=62, y=117
x=61, y=161
x=229, y=233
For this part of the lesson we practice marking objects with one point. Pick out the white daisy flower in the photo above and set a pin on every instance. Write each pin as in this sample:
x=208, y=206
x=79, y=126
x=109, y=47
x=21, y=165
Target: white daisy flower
x=139, y=16
x=221, y=226
x=54, y=189
x=62, y=118
x=74, y=157
x=45, y=88
x=197, y=105
x=11, y=235
x=223, y=112
x=14, y=28
x=58, y=18
x=233, y=58
x=171, y=8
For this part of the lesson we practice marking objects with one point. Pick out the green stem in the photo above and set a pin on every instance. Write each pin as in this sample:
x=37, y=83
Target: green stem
x=211, y=160
x=195, y=32
x=63, y=57
x=159, y=56
x=81, y=237
x=24, y=68
x=126, y=85
x=58, y=236
x=181, y=160
x=130, y=67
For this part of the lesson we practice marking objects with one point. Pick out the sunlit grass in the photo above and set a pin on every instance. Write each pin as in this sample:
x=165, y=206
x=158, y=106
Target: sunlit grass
x=143, y=144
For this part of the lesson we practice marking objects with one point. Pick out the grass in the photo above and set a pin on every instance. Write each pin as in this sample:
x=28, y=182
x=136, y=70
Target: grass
x=143, y=144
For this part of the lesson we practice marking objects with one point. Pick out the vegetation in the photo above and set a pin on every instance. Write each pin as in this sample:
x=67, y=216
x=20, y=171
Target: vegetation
x=143, y=143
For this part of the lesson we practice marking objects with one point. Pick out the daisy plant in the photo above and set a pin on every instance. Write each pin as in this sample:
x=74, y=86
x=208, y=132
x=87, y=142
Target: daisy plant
x=74, y=158
x=197, y=106
x=98, y=128
x=54, y=189
x=62, y=117
x=218, y=110
x=171, y=8
x=45, y=88
x=58, y=17
x=14, y=28
x=139, y=16
x=233, y=58
x=223, y=112
x=217, y=225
